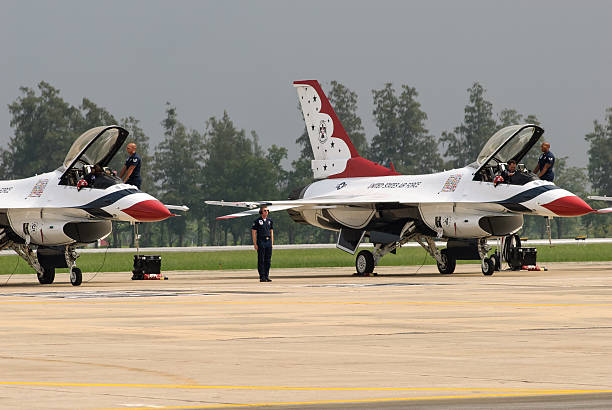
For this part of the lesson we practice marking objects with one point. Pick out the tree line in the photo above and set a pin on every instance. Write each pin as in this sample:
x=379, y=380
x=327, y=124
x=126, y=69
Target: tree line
x=223, y=161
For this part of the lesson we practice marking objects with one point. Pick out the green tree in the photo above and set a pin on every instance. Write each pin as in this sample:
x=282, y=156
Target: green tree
x=600, y=155
x=45, y=127
x=466, y=141
x=402, y=138
x=573, y=179
x=177, y=171
x=94, y=116
x=509, y=116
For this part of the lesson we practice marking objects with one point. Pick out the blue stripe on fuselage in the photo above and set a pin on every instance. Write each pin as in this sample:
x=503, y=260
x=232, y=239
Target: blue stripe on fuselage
x=109, y=199
x=527, y=195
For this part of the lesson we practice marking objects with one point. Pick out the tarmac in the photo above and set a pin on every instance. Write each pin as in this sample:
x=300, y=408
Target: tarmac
x=312, y=338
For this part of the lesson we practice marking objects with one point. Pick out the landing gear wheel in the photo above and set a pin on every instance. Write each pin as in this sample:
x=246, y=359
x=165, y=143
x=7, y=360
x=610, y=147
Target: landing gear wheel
x=487, y=267
x=47, y=276
x=364, y=263
x=496, y=262
x=448, y=263
x=76, y=276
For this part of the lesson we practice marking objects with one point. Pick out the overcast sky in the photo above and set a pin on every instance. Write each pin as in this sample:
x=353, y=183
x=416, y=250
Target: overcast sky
x=549, y=58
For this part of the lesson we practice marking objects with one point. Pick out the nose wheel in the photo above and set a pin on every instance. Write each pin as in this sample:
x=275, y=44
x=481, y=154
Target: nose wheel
x=76, y=276
x=364, y=263
x=487, y=266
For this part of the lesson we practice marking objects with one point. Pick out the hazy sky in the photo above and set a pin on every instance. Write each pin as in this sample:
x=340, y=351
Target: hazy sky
x=549, y=58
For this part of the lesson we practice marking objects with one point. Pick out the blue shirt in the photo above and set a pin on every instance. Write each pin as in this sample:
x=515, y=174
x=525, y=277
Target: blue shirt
x=134, y=160
x=264, y=229
x=547, y=158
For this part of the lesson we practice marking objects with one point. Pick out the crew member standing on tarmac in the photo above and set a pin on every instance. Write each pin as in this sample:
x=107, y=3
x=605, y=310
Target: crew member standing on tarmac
x=130, y=174
x=262, y=233
x=546, y=162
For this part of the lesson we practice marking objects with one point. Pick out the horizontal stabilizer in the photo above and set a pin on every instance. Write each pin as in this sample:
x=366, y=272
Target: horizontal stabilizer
x=600, y=198
x=250, y=205
x=177, y=207
x=251, y=212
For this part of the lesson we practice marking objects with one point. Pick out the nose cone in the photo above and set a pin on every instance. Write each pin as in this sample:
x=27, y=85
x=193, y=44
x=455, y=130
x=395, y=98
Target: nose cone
x=569, y=206
x=150, y=210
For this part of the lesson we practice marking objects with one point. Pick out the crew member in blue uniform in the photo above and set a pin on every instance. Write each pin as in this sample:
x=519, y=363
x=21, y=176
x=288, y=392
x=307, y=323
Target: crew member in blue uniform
x=262, y=233
x=546, y=162
x=130, y=174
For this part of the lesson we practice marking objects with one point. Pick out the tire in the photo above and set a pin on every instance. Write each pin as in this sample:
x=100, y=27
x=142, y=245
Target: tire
x=47, y=276
x=449, y=264
x=364, y=262
x=487, y=267
x=76, y=276
x=496, y=262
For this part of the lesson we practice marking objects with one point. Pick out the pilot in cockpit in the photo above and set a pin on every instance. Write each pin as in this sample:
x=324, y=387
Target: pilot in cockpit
x=97, y=171
x=507, y=175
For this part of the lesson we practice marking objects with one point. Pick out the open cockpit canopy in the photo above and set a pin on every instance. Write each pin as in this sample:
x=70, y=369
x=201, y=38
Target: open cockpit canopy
x=511, y=142
x=96, y=146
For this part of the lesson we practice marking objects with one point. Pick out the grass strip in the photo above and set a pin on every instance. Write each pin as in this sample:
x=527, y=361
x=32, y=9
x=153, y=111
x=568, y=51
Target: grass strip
x=293, y=258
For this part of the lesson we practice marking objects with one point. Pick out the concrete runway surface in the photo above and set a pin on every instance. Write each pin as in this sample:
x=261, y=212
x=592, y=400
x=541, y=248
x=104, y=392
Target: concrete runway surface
x=312, y=338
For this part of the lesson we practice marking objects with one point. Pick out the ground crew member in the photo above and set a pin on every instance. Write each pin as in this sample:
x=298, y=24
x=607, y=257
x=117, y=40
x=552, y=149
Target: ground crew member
x=262, y=233
x=130, y=174
x=546, y=162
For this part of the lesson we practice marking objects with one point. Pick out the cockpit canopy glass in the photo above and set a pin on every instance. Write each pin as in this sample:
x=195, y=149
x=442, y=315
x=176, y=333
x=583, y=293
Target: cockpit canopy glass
x=92, y=151
x=96, y=146
x=511, y=142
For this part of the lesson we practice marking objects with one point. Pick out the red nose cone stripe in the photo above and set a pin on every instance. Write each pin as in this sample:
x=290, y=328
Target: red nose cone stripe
x=150, y=210
x=569, y=206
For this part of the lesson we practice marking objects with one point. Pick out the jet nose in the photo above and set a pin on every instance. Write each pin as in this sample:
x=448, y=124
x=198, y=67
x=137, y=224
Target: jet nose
x=150, y=210
x=569, y=206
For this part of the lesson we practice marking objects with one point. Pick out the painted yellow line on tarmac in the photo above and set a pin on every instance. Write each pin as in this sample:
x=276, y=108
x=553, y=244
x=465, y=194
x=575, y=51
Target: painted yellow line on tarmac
x=299, y=403
x=311, y=388
x=504, y=392
x=105, y=301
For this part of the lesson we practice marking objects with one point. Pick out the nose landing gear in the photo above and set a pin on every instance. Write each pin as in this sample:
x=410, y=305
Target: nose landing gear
x=364, y=263
x=46, y=259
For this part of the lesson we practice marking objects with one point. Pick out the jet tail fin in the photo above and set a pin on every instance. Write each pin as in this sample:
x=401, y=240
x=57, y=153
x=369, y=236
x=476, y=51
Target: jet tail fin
x=335, y=155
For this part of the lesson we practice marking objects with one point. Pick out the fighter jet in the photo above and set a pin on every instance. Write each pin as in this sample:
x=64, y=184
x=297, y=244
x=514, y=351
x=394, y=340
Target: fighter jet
x=45, y=217
x=464, y=207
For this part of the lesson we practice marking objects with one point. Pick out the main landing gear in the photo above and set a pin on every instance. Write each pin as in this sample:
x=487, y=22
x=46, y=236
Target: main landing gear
x=366, y=260
x=446, y=259
x=45, y=260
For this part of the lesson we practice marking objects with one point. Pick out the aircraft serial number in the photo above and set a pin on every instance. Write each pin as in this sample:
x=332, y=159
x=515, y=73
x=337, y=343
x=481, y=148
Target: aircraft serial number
x=395, y=185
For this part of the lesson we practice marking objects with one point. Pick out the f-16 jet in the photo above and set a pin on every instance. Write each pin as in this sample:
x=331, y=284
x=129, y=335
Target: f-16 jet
x=464, y=207
x=45, y=217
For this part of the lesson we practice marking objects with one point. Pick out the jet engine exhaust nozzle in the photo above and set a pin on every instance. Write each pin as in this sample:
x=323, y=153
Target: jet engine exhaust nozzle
x=569, y=206
x=150, y=210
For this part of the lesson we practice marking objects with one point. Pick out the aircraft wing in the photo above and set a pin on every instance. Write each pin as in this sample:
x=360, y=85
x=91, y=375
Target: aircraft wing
x=602, y=198
x=317, y=203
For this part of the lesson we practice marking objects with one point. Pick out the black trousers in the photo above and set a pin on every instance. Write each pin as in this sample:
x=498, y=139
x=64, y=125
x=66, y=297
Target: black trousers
x=264, y=259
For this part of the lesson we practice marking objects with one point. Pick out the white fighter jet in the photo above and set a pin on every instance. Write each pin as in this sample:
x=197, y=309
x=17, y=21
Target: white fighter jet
x=45, y=217
x=464, y=207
